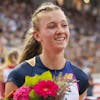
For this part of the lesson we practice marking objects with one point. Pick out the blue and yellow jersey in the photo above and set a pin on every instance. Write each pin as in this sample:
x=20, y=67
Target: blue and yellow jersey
x=70, y=71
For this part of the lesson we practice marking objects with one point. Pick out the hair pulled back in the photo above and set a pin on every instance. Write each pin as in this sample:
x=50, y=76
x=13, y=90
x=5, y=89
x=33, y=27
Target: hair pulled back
x=33, y=47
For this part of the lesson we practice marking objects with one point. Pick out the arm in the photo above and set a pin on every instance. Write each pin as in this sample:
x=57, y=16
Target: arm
x=83, y=95
x=14, y=81
x=83, y=82
x=10, y=86
x=16, y=78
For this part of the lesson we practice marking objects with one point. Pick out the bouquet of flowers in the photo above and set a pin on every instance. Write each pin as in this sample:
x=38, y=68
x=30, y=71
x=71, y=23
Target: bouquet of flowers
x=42, y=87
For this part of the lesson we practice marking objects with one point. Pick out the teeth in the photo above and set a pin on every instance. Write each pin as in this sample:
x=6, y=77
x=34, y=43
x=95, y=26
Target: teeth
x=60, y=39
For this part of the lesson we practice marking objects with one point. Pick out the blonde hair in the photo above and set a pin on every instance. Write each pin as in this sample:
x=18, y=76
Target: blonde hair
x=45, y=7
x=32, y=46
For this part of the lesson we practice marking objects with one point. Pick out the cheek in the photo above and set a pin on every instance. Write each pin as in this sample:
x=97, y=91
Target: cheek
x=68, y=33
x=47, y=34
x=44, y=37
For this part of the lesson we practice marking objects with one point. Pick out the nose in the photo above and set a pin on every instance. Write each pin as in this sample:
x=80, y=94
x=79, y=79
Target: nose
x=60, y=29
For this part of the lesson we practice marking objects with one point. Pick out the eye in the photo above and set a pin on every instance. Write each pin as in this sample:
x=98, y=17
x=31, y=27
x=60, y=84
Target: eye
x=51, y=25
x=65, y=25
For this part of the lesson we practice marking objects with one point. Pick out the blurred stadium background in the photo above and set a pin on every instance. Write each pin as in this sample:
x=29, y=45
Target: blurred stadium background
x=84, y=21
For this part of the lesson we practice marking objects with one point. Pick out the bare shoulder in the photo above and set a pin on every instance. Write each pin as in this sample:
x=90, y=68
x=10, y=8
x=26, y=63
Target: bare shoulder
x=31, y=61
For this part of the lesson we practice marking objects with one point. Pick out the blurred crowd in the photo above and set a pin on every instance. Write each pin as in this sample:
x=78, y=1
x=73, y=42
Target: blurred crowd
x=84, y=48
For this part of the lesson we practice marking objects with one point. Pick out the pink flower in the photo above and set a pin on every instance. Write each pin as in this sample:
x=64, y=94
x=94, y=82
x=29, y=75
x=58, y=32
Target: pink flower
x=46, y=89
x=22, y=93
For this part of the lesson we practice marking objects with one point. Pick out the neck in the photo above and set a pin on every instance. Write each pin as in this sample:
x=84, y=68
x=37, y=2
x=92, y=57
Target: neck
x=53, y=61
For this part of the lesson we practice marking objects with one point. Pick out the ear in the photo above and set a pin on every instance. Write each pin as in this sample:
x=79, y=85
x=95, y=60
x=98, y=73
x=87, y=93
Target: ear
x=36, y=35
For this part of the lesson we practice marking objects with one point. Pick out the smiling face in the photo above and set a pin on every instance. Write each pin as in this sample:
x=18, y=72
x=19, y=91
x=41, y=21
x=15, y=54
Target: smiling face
x=53, y=30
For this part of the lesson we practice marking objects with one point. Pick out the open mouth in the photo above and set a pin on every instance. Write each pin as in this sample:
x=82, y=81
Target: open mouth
x=60, y=39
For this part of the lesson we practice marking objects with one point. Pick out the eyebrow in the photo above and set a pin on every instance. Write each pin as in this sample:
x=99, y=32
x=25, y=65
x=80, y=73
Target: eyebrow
x=64, y=21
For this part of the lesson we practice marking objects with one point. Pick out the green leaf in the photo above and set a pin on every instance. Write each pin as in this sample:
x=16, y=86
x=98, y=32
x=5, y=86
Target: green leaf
x=31, y=81
x=33, y=95
x=46, y=76
x=8, y=99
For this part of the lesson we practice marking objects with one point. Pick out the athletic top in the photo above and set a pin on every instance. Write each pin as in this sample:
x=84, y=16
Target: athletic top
x=17, y=75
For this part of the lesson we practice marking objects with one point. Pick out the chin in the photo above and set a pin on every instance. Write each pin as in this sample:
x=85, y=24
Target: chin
x=60, y=48
x=63, y=46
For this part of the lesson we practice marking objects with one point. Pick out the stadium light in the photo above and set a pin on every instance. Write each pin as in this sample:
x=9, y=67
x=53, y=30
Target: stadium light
x=86, y=1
